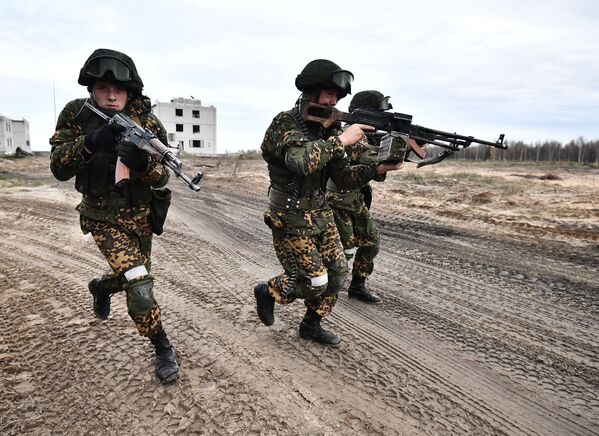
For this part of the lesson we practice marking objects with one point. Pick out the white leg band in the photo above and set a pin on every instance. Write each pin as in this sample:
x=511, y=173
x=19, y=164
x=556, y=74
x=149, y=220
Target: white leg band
x=135, y=273
x=319, y=281
x=351, y=251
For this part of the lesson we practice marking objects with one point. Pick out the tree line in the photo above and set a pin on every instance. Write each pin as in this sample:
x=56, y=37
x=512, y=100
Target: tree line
x=578, y=151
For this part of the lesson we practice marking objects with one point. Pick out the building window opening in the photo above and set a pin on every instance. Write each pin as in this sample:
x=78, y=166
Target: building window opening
x=197, y=143
x=179, y=127
x=179, y=112
x=195, y=114
x=196, y=129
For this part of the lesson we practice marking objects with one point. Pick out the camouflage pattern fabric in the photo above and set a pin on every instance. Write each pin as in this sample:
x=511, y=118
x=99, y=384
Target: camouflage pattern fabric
x=125, y=245
x=357, y=230
x=118, y=220
x=307, y=257
x=306, y=240
x=352, y=217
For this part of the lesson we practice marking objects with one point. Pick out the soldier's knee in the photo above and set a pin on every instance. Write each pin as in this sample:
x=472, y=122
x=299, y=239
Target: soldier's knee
x=313, y=286
x=335, y=284
x=140, y=296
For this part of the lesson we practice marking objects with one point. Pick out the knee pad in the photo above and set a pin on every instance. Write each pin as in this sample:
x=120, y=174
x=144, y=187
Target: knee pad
x=140, y=296
x=335, y=284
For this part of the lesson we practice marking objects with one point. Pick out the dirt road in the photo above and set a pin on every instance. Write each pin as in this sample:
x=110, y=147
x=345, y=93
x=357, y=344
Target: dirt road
x=489, y=324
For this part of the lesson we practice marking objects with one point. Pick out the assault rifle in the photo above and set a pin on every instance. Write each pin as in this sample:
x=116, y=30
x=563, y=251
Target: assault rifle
x=147, y=141
x=393, y=125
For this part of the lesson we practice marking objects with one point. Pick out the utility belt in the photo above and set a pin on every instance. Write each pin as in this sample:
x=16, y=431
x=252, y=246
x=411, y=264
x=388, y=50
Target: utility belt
x=285, y=201
x=108, y=201
x=331, y=187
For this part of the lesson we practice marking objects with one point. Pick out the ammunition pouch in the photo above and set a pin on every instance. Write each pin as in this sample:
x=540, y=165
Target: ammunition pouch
x=97, y=178
x=159, y=205
x=279, y=200
x=393, y=148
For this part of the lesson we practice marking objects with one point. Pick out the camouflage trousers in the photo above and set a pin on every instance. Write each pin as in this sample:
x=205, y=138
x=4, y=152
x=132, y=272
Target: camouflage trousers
x=359, y=236
x=127, y=244
x=314, y=266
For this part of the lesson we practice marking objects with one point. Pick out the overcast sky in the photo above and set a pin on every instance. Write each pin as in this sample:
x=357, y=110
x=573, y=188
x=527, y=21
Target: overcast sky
x=529, y=69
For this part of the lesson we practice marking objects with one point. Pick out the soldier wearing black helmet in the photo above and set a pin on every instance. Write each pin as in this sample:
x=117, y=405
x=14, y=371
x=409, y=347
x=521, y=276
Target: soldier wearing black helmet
x=301, y=155
x=358, y=231
x=117, y=216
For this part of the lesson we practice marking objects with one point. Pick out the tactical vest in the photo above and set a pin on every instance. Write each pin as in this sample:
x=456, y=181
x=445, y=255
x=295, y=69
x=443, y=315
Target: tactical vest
x=298, y=186
x=96, y=180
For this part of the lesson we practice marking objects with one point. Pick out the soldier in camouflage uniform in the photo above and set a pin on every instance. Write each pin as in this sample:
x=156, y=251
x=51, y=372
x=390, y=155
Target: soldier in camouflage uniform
x=358, y=231
x=301, y=156
x=117, y=216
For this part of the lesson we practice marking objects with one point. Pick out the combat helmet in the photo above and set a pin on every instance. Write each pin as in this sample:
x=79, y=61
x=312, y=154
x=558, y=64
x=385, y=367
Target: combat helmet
x=324, y=74
x=370, y=99
x=113, y=66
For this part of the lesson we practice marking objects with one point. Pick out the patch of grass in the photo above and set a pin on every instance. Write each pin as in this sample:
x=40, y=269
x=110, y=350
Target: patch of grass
x=414, y=178
x=473, y=177
x=249, y=154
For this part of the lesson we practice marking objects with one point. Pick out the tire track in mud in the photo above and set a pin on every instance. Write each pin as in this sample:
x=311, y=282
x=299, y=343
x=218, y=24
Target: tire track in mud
x=38, y=261
x=241, y=319
x=508, y=321
x=221, y=303
x=350, y=328
x=444, y=374
x=460, y=345
x=577, y=356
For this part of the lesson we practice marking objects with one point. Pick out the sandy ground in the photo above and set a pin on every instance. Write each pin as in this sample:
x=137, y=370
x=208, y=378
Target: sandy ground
x=489, y=324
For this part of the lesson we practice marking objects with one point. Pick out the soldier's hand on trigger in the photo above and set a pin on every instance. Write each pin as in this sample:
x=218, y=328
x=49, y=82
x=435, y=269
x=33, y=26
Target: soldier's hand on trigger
x=354, y=133
x=132, y=156
x=102, y=138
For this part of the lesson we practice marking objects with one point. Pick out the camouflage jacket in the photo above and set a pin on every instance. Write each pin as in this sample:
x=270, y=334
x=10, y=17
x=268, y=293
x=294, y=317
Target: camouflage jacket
x=362, y=153
x=67, y=159
x=300, y=159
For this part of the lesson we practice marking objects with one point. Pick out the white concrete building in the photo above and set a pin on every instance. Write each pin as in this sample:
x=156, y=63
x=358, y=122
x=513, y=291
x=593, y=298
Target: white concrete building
x=14, y=134
x=190, y=126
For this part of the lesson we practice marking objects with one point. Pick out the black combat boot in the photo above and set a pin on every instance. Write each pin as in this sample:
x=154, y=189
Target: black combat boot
x=357, y=289
x=101, y=298
x=265, y=304
x=310, y=329
x=166, y=368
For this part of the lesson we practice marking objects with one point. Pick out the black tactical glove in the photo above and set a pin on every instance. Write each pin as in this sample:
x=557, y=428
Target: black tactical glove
x=132, y=156
x=103, y=137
